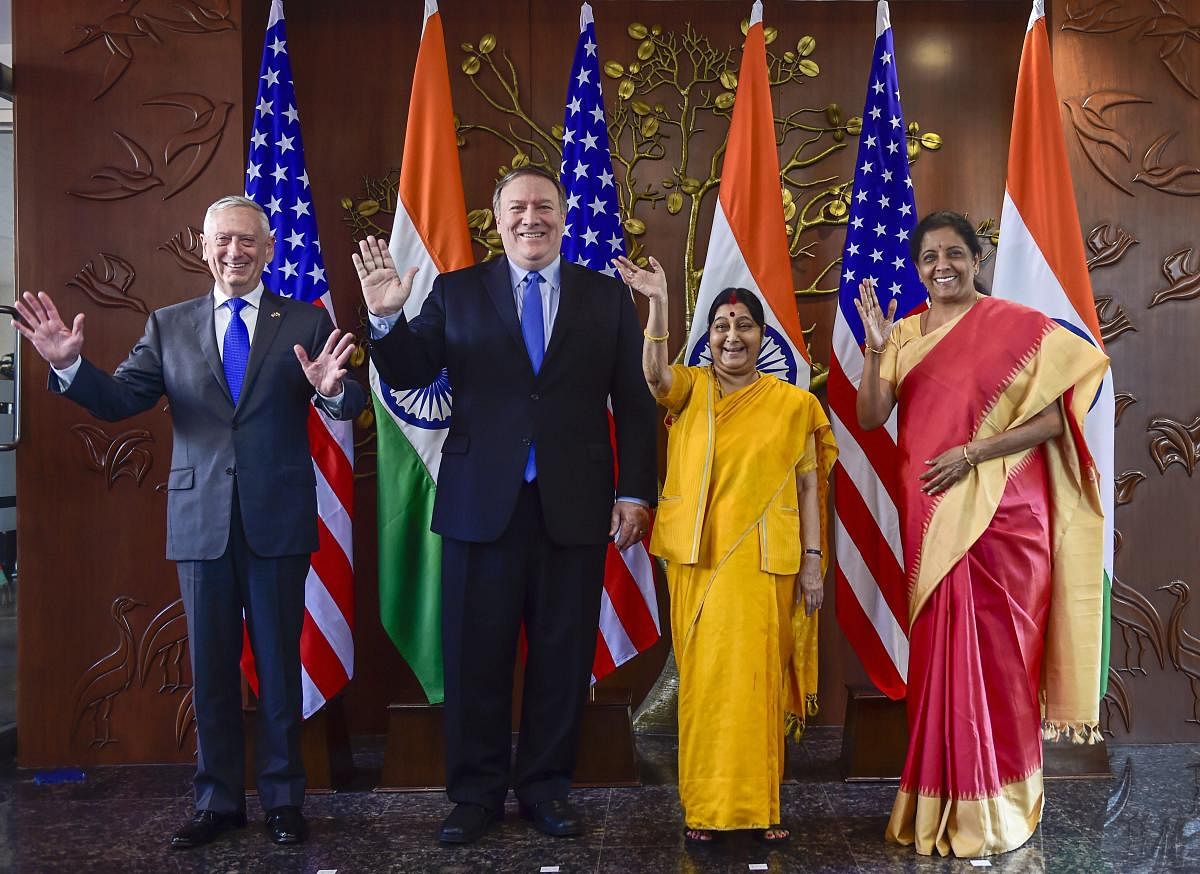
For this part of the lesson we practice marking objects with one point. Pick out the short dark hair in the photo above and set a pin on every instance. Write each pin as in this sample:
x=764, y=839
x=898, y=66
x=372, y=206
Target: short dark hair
x=528, y=170
x=742, y=296
x=944, y=218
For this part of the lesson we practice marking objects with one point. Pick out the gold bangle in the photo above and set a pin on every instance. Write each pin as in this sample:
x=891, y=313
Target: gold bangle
x=966, y=457
x=868, y=347
x=654, y=339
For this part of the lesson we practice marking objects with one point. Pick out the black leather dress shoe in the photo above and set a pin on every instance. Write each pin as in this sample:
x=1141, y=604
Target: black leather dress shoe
x=555, y=817
x=466, y=824
x=205, y=826
x=286, y=825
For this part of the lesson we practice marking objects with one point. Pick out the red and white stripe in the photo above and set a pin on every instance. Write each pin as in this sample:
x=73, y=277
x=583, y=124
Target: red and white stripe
x=327, y=640
x=871, y=588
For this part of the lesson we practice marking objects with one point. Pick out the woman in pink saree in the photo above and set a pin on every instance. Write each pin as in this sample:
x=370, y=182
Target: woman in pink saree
x=1002, y=527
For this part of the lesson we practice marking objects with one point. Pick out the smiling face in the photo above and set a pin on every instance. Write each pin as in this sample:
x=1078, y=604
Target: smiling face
x=531, y=221
x=237, y=245
x=734, y=339
x=947, y=266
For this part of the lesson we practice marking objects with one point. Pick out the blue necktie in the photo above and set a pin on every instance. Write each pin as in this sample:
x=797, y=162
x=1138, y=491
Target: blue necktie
x=533, y=330
x=236, y=351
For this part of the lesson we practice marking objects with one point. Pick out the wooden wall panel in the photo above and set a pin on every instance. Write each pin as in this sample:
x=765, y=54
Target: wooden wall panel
x=1131, y=91
x=91, y=520
x=84, y=544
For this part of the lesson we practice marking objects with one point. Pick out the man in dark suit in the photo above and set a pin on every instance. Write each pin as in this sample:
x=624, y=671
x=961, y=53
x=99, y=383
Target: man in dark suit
x=239, y=367
x=534, y=347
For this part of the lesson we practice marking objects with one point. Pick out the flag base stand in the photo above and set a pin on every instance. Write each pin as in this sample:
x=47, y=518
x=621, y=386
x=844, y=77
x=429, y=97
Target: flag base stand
x=415, y=756
x=874, y=736
x=875, y=741
x=324, y=749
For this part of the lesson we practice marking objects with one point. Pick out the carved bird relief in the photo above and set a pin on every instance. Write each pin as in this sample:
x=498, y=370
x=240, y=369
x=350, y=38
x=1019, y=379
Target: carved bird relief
x=1124, y=400
x=109, y=284
x=1125, y=484
x=1096, y=133
x=119, y=30
x=1097, y=16
x=1183, y=647
x=1114, y=321
x=1180, y=179
x=185, y=717
x=185, y=248
x=1184, y=280
x=1174, y=443
x=107, y=678
x=1140, y=625
x=1108, y=243
x=1116, y=699
x=200, y=139
x=164, y=643
x=115, y=183
x=116, y=457
x=1179, y=49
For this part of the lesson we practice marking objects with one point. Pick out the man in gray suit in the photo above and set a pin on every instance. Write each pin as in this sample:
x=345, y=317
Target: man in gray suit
x=240, y=367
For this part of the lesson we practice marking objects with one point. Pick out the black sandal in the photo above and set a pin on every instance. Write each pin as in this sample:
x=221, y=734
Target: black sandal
x=763, y=836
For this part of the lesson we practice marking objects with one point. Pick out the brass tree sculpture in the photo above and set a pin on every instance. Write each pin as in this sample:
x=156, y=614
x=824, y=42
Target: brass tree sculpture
x=673, y=89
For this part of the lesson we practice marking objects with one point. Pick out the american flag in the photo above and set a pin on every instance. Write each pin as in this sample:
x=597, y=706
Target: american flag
x=277, y=180
x=629, y=610
x=871, y=589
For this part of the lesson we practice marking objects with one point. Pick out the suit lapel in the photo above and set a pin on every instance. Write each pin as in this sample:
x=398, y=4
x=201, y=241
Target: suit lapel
x=499, y=289
x=205, y=327
x=266, y=327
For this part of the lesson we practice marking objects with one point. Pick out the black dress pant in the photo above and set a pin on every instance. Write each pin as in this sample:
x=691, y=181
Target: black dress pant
x=488, y=591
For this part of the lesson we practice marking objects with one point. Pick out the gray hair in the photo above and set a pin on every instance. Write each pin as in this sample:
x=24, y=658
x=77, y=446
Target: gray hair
x=236, y=201
x=528, y=170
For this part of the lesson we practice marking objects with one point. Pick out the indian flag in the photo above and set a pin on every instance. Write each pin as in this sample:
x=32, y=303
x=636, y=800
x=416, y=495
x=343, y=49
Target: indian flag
x=748, y=247
x=1040, y=261
x=429, y=232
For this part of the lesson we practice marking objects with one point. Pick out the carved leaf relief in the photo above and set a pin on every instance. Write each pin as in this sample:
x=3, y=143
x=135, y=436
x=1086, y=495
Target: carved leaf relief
x=1173, y=442
x=1108, y=244
x=1184, y=280
x=108, y=285
x=116, y=457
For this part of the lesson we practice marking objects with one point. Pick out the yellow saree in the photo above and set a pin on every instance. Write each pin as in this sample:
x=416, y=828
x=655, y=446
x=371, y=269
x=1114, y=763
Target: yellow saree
x=728, y=525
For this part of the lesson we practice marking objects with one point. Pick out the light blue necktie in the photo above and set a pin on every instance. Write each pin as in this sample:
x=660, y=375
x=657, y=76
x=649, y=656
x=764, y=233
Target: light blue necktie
x=236, y=351
x=533, y=330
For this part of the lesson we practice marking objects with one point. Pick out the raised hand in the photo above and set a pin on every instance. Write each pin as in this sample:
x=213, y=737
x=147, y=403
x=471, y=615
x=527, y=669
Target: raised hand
x=383, y=288
x=326, y=371
x=41, y=325
x=877, y=326
x=651, y=283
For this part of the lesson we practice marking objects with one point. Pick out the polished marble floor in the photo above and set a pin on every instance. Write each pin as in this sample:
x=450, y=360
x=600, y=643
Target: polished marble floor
x=1146, y=817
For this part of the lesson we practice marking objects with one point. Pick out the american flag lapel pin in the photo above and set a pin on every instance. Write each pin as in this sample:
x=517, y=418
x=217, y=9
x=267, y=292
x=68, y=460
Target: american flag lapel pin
x=275, y=314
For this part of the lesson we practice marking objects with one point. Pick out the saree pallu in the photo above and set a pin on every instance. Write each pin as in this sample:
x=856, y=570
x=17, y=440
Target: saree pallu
x=728, y=525
x=1004, y=572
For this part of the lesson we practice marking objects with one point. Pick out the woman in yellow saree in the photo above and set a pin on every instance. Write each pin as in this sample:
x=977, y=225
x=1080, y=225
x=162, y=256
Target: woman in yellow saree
x=1002, y=532
x=739, y=520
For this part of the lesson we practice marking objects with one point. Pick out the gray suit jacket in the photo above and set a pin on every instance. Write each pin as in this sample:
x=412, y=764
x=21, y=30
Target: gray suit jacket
x=262, y=443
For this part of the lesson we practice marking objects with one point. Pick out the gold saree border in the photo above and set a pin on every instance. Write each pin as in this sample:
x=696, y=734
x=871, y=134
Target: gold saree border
x=968, y=827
